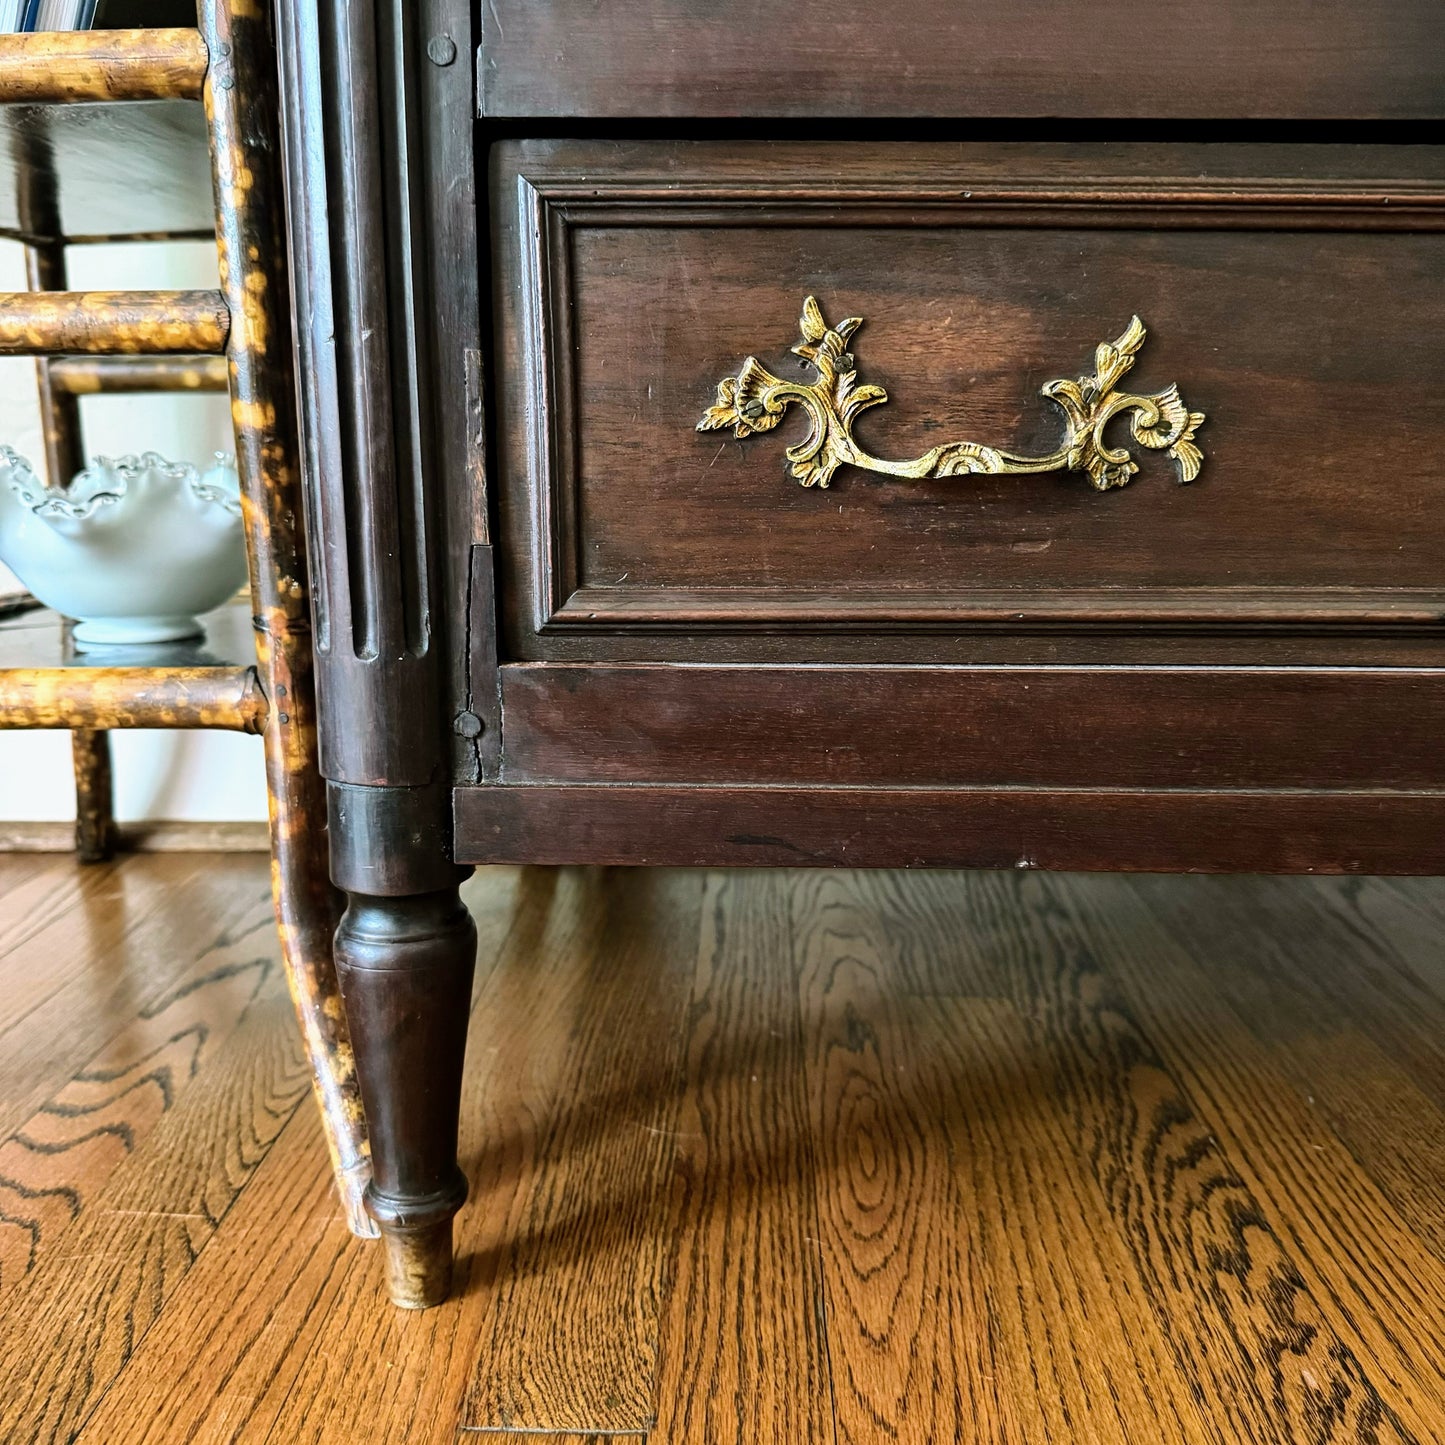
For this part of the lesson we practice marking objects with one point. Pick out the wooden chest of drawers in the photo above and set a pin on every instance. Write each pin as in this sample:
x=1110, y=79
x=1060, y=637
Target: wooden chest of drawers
x=768, y=441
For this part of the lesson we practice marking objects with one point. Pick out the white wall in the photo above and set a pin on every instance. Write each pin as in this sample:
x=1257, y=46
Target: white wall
x=158, y=775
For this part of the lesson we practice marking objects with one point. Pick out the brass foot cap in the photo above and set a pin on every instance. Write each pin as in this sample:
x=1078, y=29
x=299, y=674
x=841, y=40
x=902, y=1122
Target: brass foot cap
x=418, y=1265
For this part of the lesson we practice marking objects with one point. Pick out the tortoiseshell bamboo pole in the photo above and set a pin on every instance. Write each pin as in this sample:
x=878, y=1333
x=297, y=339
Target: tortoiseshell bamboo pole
x=101, y=65
x=90, y=375
x=132, y=697
x=113, y=322
x=59, y=412
x=241, y=106
x=95, y=832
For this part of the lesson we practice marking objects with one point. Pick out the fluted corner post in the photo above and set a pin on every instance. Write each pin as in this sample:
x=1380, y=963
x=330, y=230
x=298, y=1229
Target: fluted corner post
x=381, y=365
x=240, y=96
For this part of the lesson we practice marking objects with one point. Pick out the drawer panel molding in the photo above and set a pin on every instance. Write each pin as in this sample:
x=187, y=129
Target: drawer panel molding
x=1295, y=293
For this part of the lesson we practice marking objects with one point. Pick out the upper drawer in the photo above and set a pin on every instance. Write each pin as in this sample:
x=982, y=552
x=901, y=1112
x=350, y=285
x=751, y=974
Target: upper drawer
x=1159, y=59
x=1302, y=314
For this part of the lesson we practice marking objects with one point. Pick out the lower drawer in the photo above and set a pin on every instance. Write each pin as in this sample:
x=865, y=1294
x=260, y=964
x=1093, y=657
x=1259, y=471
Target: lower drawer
x=1035, y=727
x=1291, y=297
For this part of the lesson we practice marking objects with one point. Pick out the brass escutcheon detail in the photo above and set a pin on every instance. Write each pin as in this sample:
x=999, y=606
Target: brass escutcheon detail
x=756, y=401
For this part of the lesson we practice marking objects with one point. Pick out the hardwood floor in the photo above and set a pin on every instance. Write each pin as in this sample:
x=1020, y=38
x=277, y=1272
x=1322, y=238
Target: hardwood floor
x=764, y=1158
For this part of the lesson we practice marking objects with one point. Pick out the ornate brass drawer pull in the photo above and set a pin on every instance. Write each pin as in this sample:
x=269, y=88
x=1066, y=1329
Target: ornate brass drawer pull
x=755, y=401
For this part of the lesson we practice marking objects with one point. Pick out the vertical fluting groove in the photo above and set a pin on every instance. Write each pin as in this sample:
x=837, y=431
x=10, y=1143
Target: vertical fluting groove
x=355, y=153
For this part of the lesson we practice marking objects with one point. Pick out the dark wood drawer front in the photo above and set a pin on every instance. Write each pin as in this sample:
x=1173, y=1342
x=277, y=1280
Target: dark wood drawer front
x=1301, y=312
x=1125, y=727
x=1150, y=58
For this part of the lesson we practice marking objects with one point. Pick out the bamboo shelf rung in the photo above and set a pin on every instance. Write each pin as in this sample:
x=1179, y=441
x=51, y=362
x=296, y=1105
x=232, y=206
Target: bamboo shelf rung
x=54, y=67
x=36, y=323
x=132, y=697
x=88, y=375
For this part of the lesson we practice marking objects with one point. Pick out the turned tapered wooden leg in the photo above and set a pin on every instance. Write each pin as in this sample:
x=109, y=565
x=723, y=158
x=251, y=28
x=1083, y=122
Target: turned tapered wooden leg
x=406, y=968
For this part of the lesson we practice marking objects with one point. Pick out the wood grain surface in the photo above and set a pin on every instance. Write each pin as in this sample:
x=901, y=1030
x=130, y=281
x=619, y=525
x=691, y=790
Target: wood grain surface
x=1179, y=830
x=1159, y=59
x=1298, y=309
x=891, y=727
x=805, y=1156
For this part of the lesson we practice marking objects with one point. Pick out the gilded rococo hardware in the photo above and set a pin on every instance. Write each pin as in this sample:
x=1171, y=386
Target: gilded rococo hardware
x=755, y=401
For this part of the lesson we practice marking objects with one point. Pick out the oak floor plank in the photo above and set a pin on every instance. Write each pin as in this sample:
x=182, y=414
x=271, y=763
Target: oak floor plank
x=309, y=1343
x=57, y=1159
x=909, y=1335
x=1081, y=1352
x=1342, y=982
x=743, y=1358
x=117, y=953
x=79, y=917
x=1379, y=1289
x=552, y=1437
x=244, y=1310
x=574, y=1236
x=1003, y=1158
x=74, y=1321
x=37, y=896
x=1262, y=1347
x=978, y=1290
x=561, y=973
x=1324, y=955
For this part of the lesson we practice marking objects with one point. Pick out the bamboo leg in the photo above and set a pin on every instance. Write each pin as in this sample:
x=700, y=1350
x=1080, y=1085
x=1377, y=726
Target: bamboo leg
x=95, y=833
x=241, y=106
x=94, y=808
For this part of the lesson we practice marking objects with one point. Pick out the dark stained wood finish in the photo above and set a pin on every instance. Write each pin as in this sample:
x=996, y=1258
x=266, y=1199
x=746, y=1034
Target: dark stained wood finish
x=405, y=966
x=1126, y=727
x=113, y=322
x=91, y=65
x=942, y=1156
x=1292, y=295
x=1153, y=59
x=1292, y=291
x=1026, y=828
x=371, y=135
